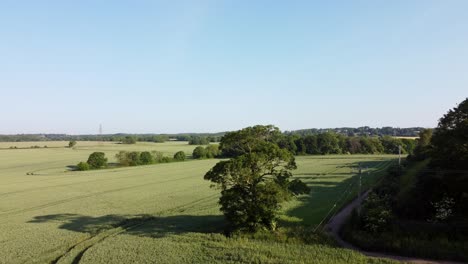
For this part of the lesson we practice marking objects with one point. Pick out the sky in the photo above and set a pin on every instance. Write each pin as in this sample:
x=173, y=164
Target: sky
x=210, y=66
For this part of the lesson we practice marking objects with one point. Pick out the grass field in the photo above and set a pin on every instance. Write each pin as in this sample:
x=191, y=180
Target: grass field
x=164, y=213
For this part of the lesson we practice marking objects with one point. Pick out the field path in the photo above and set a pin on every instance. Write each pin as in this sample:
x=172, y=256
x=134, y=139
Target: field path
x=334, y=225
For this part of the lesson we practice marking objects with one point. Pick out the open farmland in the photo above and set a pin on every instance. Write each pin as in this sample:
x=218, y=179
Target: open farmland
x=164, y=213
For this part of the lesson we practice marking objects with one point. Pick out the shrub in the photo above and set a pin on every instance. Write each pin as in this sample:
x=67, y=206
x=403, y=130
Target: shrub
x=212, y=151
x=82, y=166
x=122, y=158
x=179, y=156
x=146, y=158
x=157, y=156
x=71, y=144
x=97, y=160
x=199, y=153
x=133, y=158
x=166, y=159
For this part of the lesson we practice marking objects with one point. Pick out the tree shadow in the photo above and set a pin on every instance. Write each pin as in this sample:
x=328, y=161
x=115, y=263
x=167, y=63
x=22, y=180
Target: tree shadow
x=110, y=165
x=325, y=193
x=72, y=167
x=139, y=225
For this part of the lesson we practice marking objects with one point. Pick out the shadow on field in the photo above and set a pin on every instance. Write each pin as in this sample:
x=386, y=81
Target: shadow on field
x=110, y=165
x=139, y=225
x=325, y=192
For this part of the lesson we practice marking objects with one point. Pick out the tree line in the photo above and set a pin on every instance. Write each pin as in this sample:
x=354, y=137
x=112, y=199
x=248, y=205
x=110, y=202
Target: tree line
x=425, y=197
x=332, y=143
x=362, y=131
x=210, y=137
x=98, y=160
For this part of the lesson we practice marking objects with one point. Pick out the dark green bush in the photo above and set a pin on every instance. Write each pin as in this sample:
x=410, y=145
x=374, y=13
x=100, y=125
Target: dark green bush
x=97, y=160
x=82, y=166
x=179, y=156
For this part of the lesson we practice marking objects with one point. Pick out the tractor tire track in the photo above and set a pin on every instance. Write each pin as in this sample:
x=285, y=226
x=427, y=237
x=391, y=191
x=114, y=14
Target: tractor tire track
x=76, y=252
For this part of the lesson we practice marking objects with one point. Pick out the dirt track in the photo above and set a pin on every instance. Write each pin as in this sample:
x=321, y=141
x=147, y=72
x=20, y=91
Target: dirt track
x=334, y=225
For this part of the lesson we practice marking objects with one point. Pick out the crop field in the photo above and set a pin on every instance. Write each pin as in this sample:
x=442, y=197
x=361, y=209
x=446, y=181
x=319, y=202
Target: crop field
x=163, y=213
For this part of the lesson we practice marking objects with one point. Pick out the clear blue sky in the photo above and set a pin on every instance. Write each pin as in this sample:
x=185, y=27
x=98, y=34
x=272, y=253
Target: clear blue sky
x=207, y=66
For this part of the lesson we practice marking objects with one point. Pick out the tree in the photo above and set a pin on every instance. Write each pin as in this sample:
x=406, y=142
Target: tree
x=160, y=138
x=146, y=158
x=133, y=158
x=97, y=160
x=353, y=145
x=129, y=140
x=256, y=181
x=179, y=156
x=82, y=166
x=121, y=157
x=450, y=139
x=246, y=140
x=310, y=143
x=423, y=146
x=196, y=140
x=212, y=151
x=72, y=143
x=391, y=145
x=157, y=156
x=328, y=143
x=199, y=153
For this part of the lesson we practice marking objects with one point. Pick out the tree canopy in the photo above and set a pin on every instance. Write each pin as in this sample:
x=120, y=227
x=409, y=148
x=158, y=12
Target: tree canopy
x=256, y=180
x=248, y=140
x=97, y=160
x=129, y=140
x=72, y=143
x=450, y=140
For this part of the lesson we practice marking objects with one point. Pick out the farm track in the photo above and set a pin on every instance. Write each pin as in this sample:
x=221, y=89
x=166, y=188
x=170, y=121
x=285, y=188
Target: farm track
x=337, y=221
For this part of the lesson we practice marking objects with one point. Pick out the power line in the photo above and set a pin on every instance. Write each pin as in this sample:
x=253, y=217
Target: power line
x=335, y=204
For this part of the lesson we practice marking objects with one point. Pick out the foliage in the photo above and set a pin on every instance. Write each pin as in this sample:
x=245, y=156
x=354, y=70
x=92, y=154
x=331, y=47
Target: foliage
x=423, y=147
x=160, y=138
x=196, y=140
x=254, y=183
x=332, y=143
x=135, y=158
x=450, y=140
x=82, y=166
x=146, y=158
x=212, y=151
x=72, y=143
x=128, y=158
x=248, y=140
x=179, y=156
x=97, y=160
x=129, y=140
x=199, y=153
x=208, y=152
x=377, y=213
x=443, y=209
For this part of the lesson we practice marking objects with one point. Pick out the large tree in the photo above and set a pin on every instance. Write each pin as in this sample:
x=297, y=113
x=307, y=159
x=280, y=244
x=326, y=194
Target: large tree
x=247, y=140
x=255, y=181
x=97, y=160
x=450, y=139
